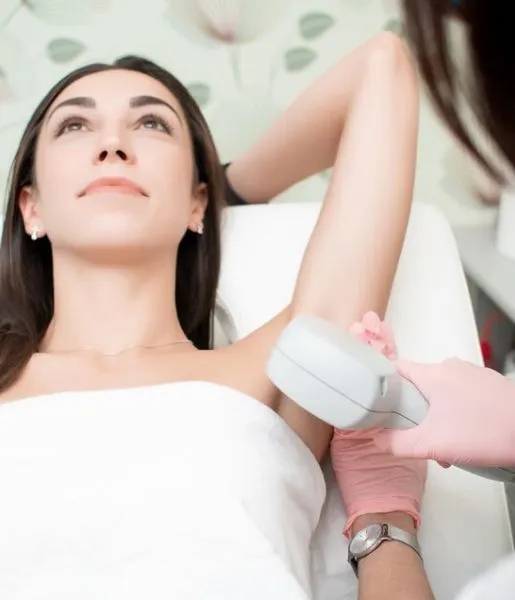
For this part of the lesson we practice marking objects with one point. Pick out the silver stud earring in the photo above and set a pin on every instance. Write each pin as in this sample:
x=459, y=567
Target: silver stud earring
x=34, y=233
x=200, y=228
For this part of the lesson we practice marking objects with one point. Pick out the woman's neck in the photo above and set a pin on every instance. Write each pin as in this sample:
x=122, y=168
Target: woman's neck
x=111, y=309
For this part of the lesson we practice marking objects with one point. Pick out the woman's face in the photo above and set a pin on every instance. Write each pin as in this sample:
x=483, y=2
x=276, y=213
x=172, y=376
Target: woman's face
x=114, y=168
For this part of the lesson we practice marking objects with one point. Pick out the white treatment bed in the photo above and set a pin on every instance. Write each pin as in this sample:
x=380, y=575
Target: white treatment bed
x=465, y=522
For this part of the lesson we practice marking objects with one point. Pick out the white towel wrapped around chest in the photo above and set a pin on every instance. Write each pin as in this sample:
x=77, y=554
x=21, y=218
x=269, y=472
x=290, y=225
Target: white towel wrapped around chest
x=183, y=490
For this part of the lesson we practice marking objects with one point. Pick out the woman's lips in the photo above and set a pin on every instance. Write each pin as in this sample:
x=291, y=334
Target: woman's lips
x=114, y=185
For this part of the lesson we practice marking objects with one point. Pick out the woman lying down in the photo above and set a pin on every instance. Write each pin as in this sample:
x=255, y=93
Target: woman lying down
x=135, y=461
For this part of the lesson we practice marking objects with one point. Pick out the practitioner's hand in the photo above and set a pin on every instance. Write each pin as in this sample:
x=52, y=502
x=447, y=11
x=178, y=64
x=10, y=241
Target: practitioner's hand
x=471, y=417
x=376, y=333
x=372, y=480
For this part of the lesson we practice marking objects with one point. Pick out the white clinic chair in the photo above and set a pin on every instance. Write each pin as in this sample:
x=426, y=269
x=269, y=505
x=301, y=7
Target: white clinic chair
x=465, y=521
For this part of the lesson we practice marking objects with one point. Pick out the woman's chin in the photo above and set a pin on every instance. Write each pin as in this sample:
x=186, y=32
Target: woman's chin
x=117, y=246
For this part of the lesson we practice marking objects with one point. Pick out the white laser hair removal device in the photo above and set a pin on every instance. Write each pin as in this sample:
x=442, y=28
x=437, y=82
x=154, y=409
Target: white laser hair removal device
x=346, y=383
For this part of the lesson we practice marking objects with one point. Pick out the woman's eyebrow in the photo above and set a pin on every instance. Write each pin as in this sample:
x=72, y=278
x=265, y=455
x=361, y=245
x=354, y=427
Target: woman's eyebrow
x=139, y=101
x=82, y=101
x=136, y=102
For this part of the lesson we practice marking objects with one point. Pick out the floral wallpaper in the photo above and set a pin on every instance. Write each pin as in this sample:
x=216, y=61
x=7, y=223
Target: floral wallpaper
x=243, y=60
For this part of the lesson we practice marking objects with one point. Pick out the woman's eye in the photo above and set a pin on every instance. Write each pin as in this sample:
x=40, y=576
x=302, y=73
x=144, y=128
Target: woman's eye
x=71, y=126
x=155, y=123
x=76, y=126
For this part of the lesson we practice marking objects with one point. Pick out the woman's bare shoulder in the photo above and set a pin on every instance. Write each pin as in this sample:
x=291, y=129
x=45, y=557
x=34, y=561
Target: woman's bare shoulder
x=25, y=385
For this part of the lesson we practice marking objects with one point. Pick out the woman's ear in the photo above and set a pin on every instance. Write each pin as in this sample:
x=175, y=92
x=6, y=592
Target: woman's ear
x=198, y=208
x=29, y=208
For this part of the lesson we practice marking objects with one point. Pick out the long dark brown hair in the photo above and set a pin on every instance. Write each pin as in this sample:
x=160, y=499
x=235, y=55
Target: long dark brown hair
x=26, y=274
x=489, y=88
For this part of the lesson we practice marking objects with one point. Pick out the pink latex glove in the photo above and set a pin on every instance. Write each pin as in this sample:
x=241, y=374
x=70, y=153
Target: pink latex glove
x=370, y=479
x=471, y=418
x=375, y=333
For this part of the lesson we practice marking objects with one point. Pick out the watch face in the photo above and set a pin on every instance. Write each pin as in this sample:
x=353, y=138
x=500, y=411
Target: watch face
x=365, y=539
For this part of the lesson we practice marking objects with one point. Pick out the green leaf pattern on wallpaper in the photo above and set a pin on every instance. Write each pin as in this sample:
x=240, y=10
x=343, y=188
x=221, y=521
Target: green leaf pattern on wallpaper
x=313, y=25
x=64, y=50
x=201, y=93
x=296, y=59
x=395, y=26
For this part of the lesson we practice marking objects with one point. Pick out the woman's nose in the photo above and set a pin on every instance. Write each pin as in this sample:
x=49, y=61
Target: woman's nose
x=114, y=149
x=105, y=155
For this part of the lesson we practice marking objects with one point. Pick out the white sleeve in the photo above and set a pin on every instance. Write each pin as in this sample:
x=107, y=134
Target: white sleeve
x=498, y=583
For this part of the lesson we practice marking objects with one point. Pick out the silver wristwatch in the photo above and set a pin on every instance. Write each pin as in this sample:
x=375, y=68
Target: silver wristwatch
x=370, y=538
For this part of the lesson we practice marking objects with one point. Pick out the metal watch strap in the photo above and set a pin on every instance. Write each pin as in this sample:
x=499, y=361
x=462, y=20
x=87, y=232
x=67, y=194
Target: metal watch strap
x=388, y=533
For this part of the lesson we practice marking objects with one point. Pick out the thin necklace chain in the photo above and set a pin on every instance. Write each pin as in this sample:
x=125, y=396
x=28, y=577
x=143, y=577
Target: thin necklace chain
x=142, y=346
